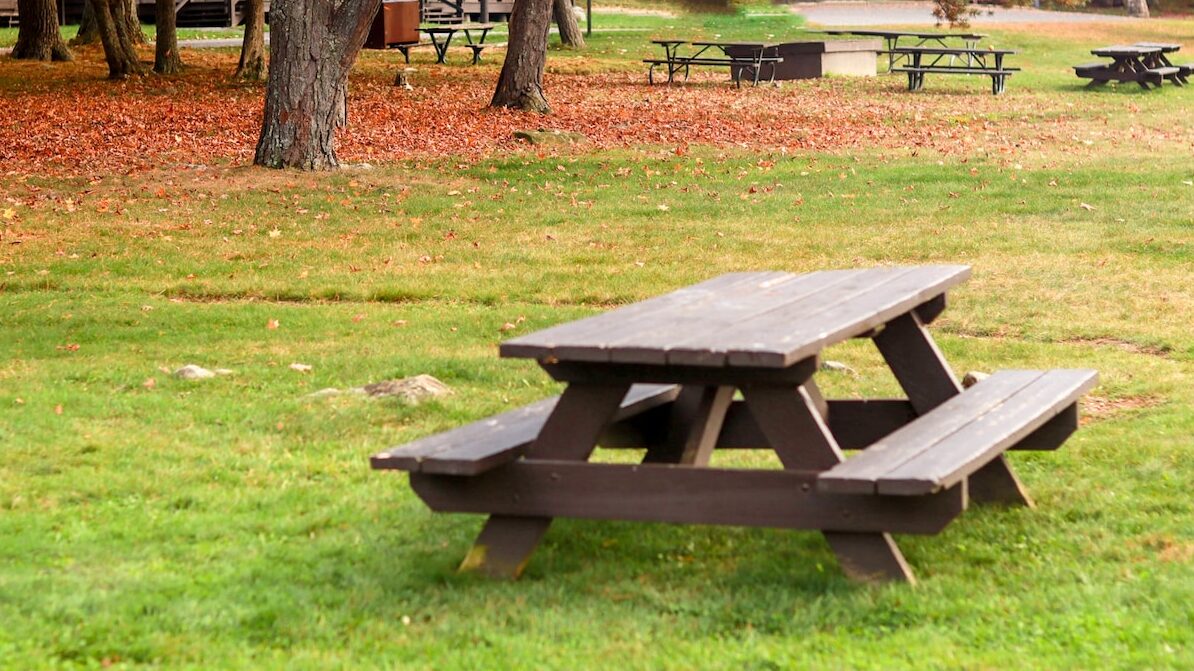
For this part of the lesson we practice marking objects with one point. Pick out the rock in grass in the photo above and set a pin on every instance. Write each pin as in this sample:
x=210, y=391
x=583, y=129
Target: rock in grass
x=193, y=372
x=837, y=366
x=550, y=136
x=410, y=389
x=974, y=377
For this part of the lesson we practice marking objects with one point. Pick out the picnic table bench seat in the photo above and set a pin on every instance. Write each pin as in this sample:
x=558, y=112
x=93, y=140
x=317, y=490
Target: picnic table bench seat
x=944, y=446
x=488, y=443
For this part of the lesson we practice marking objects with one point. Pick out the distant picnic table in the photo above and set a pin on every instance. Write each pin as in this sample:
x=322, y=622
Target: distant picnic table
x=745, y=59
x=1145, y=63
x=966, y=61
x=892, y=39
x=662, y=375
x=441, y=38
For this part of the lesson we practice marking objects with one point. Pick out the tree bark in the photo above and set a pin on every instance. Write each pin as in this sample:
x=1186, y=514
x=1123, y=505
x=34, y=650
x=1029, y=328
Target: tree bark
x=313, y=45
x=118, y=43
x=570, y=33
x=128, y=14
x=252, y=50
x=38, y=37
x=88, y=28
x=520, y=85
x=1137, y=8
x=165, y=49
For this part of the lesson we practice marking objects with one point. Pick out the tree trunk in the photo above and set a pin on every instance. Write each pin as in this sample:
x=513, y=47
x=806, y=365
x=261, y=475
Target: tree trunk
x=165, y=49
x=1137, y=8
x=118, y=44
x=570, y=33
x=312, y=47
x=38, y=38
x=520, y=85
x=128, y=14
x=88, y=28
x=252, y=50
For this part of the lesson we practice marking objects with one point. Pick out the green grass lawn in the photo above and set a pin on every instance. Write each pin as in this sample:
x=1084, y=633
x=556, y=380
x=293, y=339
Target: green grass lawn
x=231, y=523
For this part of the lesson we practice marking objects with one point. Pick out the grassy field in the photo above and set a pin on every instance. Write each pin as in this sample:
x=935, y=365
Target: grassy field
x=231, y=523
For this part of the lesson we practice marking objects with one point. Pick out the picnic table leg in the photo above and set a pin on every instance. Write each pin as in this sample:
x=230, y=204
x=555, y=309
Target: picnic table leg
x=795, y=428
x=506, y=542
x=925, y=377
x=695, y=423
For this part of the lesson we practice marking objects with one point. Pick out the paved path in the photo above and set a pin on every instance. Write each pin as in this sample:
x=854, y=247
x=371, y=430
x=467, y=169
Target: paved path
x=921, y=13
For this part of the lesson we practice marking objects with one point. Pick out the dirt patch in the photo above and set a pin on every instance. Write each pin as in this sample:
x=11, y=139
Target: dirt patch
x=1100, y=408
x=1123, y=345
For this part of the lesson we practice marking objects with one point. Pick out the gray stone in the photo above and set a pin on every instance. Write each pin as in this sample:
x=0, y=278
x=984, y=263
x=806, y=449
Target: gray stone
x=550, y=136
x=193, y=372
x=974, y=377
x=410, y=389
x=837, y=366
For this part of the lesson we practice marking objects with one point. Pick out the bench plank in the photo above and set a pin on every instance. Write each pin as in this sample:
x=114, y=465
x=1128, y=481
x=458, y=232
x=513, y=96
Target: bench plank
x=482, y=445
x=952, y=441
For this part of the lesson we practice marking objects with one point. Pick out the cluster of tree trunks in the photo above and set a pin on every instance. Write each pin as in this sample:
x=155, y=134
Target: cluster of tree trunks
x=119, y=36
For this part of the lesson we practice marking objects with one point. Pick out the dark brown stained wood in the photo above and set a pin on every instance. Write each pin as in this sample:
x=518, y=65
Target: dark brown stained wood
x=804, y=334
x=788, y=418
x=477, y=447
x=793, y=375
x=695, y=423
x=681, y=494
x=960, y=435
x=687, y=338
x=570, y=433
x=931, y=309
x=996, y=482
x=612, y=324
x=917, y=363
x=858, y=475
x=767, y=320
x=870, y=558
x=1052, y=433
x=961, y=453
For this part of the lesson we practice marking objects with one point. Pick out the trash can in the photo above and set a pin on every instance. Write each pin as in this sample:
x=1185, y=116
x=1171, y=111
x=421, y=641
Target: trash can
x=397, y=22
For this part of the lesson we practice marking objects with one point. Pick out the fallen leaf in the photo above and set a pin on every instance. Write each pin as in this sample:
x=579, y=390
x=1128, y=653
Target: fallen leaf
x=1086, y=207
x=301, y=367
x=271, y=324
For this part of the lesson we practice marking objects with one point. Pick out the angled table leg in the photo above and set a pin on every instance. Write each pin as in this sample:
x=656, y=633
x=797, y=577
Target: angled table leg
x=694, y=426
x=796, y=429
x=506, y=542
x=922, y=372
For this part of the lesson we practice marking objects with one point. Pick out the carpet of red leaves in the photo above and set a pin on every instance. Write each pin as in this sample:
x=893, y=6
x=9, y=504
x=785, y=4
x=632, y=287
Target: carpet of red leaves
x=66, y=119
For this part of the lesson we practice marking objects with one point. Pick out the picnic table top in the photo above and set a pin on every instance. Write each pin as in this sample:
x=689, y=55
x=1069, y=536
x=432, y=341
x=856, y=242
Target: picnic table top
x=748, y=320
x=905, y=33
x=456, y=27
x=1126, y=50
x=948, y=51
x=1166, y=47
x=730, y=44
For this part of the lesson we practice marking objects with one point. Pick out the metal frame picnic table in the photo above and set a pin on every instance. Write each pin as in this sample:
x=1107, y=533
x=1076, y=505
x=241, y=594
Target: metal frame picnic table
x=892, y=38
x=987, y=62
x=662, y=374
x=450, y=30
x=738, y=64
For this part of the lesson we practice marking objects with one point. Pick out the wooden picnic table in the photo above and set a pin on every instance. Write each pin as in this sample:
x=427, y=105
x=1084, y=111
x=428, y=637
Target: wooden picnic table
x=441, y=38
x=662, y=375
x=892, y=40
x=743, y=59
x=1144, y=64
x=938, y=60
x=1161, y=59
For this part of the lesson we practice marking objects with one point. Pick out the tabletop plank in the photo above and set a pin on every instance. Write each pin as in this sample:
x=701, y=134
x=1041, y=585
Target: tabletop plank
x=766, y=320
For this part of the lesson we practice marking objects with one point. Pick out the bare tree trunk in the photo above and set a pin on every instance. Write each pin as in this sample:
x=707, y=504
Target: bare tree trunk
x=38, y=38
x=88, y=28
x=520, y=85
x=252, y=50
x=312, y=47
x=570, y=33
x=118, y=44
x=165, y=49
x=128, y=14
x=1137, y=8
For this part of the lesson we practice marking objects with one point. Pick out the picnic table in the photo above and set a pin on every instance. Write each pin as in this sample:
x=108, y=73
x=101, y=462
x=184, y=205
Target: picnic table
x=743, y=58
x=441, y=38
x=1161, y=59
x=936, y=60
x=662, y=375
x=1144, y=64
x=892, y=40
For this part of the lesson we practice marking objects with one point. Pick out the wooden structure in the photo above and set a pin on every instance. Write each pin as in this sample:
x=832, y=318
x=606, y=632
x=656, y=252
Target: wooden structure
x=1147, y=64
x=662, y=375
x=750, y=60
x=920, y=61
x=8, y=13
x=190, y=13
x=462, y=11
x=919, y=39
